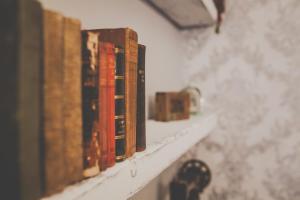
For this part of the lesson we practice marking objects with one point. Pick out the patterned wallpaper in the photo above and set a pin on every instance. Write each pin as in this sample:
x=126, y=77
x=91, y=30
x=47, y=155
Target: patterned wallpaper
x=252, y=73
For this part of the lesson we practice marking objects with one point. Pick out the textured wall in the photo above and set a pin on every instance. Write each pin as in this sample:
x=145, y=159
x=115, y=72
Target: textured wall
x=252, y=72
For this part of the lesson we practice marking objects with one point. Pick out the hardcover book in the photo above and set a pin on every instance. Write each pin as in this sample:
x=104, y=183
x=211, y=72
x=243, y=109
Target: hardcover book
x=20, y=103
x=172, y=106
x=120, y=137
x=90, y=106
x=72, y=113
x=53, y=137
x=140, y=110
x=127, y=39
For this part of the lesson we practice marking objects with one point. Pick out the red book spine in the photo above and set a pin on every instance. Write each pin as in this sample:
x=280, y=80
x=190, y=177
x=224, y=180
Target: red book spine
x=111, y=66
x=103, y=106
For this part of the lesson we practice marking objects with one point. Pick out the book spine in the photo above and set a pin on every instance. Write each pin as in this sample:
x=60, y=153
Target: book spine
x=72, y=113
x=120, y=136
x=54, y=165
x=131, y=54
x=140, y=110
x=103, y=137
x=20, y=75
x=110, y=49
x=90, y=107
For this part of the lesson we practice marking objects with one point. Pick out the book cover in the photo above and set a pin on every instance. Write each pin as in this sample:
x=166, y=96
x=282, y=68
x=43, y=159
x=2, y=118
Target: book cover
x=90, y=106
x=53, y=137
x=140, y=110
x=72, y=112
x=20, y=103
x=120, y=137
x=126, y=38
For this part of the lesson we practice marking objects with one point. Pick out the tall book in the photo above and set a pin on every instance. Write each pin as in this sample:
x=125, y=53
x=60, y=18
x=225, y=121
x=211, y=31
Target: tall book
x=53, y=158
x=90, y=106
x=120, y=137
x=110, y=95
x=140, y=110
x=20, y=61
x=72, y=113
x=127, y=39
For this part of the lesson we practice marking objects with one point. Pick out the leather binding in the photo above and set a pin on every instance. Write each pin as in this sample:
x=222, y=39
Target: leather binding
x=107, y=105
x=140, y=110
x=72, y=113
x=172, y=106
x=53, y=138
x=126, y=38
x=90, y=107
x=120, y=137
x=20, y=74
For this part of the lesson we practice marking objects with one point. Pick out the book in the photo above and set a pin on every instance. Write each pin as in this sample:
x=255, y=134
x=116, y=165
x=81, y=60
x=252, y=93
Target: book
x=127, y=39
x=72, y=113
x=140, y=110
x=120, y=137
x=172, y=106
x=90, y=106
x=110, y=95
x=20, y=75
x=103, y=104
x=53, y=137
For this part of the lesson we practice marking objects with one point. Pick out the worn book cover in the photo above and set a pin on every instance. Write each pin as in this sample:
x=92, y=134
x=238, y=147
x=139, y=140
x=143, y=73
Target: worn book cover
x=126, y=38
x=140, y=110
x=120, y=137
x=90, y=103
x=53, y=137
x=72, y=112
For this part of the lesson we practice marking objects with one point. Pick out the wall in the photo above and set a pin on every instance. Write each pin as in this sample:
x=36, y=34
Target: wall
x=252, y=73
x=164, y=59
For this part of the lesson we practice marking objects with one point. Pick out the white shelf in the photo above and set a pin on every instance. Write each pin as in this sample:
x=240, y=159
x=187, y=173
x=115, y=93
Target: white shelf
x=166, y=142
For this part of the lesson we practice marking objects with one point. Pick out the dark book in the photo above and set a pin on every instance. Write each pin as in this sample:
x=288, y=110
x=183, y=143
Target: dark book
x=53, y=137
x=20, y=102
x=140, y=110
x=120, y=137
x=172, y=106
x=72, y=112
x=90, y=106
x=127, y=39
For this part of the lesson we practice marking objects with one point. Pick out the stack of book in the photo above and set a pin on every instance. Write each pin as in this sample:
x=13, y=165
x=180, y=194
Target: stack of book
x=93, y=102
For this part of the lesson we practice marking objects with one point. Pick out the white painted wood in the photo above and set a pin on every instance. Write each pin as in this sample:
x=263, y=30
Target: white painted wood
x=166, y=142
x=211, y=9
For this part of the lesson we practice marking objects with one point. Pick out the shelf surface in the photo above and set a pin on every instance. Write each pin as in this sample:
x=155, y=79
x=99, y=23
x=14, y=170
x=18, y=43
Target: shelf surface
x=166, y=142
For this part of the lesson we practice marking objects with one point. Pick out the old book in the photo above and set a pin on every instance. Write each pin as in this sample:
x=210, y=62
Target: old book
x=90, y=106
x=140, y=110
x=110, y=95
x=126, y=38
x=20, y=75
x=54, y=163
x=72, y=113
x=103, y=111
x=172, y=106
x=120, y=137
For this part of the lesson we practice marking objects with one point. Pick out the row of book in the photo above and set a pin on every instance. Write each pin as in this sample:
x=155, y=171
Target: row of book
x=93, y=99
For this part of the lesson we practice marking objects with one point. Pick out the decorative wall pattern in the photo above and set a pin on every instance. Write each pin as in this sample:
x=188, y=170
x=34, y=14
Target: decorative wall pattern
x=252, y=73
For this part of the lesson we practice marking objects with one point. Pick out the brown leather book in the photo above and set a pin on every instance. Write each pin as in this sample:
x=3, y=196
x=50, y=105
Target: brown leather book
x=72, y=113
x=172, y=106
x=111, y=67
x=140, y=110
x=53, y=158
x=103, y=89
x=20, y=75
x=127, y=39
x=90, y=106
